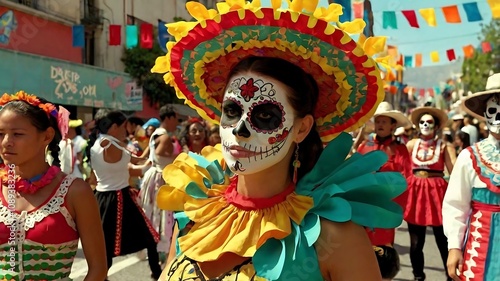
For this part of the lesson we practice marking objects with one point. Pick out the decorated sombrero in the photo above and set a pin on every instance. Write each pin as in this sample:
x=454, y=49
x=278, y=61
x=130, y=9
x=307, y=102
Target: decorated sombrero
x=200, y=59
x=435, y=112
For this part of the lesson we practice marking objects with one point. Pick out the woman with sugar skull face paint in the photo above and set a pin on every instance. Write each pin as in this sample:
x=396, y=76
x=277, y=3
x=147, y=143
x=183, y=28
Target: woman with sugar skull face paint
x=269, y=203
x=426, y=186
x=471, y=207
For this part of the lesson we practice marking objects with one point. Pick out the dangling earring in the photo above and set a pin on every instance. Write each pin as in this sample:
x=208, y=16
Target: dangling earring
x=296, y=164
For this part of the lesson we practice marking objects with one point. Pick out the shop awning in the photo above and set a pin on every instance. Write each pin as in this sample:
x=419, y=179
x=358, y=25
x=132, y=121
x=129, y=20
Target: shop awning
x=68, y=83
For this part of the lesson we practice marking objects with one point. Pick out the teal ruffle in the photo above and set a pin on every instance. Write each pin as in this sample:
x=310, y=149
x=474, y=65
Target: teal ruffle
x=343, y=190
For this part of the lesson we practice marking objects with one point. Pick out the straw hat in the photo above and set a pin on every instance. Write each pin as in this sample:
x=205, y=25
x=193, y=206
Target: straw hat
x=475, y=104
x=435, y=112
x=386, y=109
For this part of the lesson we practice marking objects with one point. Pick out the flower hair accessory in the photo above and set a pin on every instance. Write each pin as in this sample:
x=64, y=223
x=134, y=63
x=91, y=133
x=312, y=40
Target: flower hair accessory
x=61, y=115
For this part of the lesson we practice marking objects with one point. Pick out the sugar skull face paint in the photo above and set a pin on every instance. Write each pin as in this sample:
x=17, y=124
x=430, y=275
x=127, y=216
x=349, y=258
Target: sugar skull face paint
x=492, y=114
x=256, y=123
x=426, y=125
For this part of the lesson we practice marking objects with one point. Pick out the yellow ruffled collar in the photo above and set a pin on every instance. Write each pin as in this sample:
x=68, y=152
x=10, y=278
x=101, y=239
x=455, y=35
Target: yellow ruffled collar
x=224, y=221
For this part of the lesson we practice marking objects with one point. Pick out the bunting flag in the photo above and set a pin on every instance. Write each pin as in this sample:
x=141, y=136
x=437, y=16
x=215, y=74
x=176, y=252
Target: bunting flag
x=451, y=14
x=434, y=56
x=472, y=12
x=163, y=36
x=411, y=16
x=468, y=51
x=451, y=54
x=495, y=8
x=131, y=32
x=146, y=36
x=358, y=9
x=418, y=60
x=486, y=46
x=115, y=35
x=389, y=20
x=429, y=16
x=408, y=61
x=347, y=12
x=78, y=33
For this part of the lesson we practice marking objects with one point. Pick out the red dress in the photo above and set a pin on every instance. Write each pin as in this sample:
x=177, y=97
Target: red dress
x=425, y=194
x=399, y=160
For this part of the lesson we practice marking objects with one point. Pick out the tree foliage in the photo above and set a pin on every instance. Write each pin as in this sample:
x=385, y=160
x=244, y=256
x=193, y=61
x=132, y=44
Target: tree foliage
x=477, y=69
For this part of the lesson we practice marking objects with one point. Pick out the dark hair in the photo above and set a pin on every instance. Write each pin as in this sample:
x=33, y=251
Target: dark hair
x=184, y=133
x=464, y=137
x=213, y=130
x=78, y=130
x=437, y=122
x=135, y=120
x=166, y=111
x=303, y=97
x=388, y=261
x=39, y=118
x=104, y=119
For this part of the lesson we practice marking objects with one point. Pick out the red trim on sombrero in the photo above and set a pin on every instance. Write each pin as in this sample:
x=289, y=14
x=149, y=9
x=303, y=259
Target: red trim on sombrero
x=231, y=19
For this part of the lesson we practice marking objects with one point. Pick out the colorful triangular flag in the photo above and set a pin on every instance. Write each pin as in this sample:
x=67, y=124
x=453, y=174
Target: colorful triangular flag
x=472, y=12
x=115, y=35
x=131, y=32
x=451, y=54
x=78, y=33
x=451, y=14
x=146, y=36
x=163, y=36
x=429, y=16
x=411, y=16
x=486, y=46
x=389, y=20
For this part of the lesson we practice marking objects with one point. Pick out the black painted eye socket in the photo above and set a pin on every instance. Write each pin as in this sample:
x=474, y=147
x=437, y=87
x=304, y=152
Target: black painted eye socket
x=266, y=116
x=492, y=110
x=231, y=112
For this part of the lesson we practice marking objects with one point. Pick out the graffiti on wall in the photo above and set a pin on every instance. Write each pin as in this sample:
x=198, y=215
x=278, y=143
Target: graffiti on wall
x=8, y=24
x=68, y=83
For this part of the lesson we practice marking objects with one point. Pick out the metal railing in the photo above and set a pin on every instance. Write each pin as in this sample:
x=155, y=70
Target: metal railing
x=30, y=3
x=91, y=15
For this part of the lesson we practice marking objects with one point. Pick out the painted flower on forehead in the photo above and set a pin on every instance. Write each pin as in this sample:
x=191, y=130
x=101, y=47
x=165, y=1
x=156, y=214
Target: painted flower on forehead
x=257, y=123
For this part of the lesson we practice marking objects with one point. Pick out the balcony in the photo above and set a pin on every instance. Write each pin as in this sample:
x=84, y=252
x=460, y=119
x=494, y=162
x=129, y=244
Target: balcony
x=91, y=15
x=29, y=3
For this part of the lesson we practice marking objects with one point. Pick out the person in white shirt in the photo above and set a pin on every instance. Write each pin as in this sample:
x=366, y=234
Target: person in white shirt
x=471, y=207
x=470, y=129
x=72, y=148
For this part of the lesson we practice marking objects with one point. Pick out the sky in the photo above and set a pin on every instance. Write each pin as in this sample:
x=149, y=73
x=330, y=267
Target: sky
x=426, y=39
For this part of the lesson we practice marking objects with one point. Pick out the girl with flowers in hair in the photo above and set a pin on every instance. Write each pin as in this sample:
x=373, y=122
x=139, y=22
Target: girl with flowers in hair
x=269, y=203
x=43, y=212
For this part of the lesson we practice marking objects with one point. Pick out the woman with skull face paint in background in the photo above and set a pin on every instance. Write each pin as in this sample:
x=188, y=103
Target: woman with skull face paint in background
x=426, y=186
x=258, y=207
x=471, y=207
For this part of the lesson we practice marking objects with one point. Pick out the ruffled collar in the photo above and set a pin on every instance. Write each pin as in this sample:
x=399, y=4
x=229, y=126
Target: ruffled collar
x=225, y=221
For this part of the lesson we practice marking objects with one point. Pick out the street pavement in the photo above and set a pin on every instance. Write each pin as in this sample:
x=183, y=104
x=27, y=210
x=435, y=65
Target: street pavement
x=131, y=268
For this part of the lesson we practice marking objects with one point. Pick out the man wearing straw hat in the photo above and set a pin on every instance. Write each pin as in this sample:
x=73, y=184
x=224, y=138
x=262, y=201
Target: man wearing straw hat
x=386, y=122
x=471, y=207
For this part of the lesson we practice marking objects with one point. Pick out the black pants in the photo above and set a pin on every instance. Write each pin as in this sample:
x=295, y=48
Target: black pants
x=417, y=241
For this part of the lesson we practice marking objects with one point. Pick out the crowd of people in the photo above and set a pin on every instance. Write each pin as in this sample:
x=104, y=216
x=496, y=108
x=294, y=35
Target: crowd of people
x=279, y=190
